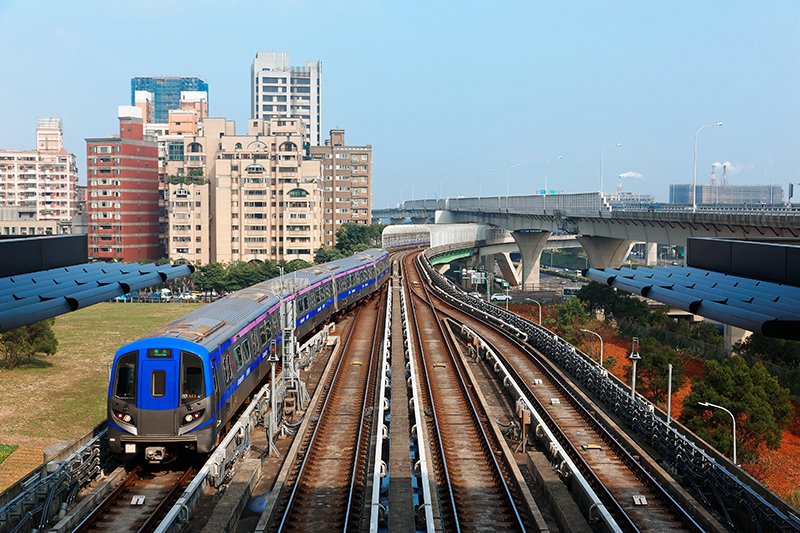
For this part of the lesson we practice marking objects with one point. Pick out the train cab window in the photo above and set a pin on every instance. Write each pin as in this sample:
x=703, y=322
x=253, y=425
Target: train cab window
x=305, y=303
x=238, y=353
x=125, y=380
x=226, y=367
x=246, y=351
x=158, y=384
x=192, y=387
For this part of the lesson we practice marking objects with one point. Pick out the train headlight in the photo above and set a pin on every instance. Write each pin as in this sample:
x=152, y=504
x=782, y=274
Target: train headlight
x=191, y=417
x=123, y=417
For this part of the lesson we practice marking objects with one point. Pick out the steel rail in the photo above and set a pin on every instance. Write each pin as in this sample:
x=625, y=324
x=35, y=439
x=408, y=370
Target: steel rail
x=634, y=466
x=487, y=443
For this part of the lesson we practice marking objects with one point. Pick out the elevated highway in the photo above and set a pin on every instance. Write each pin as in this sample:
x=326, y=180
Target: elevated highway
x=607, y=233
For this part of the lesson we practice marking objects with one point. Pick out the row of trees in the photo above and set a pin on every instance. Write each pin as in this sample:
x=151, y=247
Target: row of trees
x=26, y=342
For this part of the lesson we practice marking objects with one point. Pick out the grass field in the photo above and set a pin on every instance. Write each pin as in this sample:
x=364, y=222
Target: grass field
x=62, y=396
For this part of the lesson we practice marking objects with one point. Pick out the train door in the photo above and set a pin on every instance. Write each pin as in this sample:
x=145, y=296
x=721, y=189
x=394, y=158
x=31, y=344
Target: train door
x=158, y=393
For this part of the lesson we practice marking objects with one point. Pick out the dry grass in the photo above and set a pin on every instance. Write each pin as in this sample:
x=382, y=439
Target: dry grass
x=62, y=396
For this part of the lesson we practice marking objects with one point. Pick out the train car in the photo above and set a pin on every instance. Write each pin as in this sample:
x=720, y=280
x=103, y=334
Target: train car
x=176, y=389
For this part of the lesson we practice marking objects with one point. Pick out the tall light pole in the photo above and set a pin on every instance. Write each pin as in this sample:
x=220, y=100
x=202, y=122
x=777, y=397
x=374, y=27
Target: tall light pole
x=387, y=197
x=545, y=172
x=479, y=186
x=601, y=344
x=458, y=188
x=400, y=193
x=770, y=185
x=601, y=163
x=706, y=404
x=540, y=311
x=440, y=186
x=694, y=176
x=412, y=191
x=425, y=202
x=507, y=186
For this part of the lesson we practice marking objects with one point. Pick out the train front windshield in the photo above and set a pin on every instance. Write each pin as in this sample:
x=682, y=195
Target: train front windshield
x=154, y=378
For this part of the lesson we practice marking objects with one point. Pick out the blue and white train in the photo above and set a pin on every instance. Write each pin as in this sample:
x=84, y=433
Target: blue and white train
x=175, y=390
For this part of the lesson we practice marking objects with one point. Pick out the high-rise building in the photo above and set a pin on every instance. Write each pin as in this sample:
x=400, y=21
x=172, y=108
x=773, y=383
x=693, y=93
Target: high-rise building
x=166, y=94
x=347, y=184
x=280, y=90
x=122, y=190
x=42, y=180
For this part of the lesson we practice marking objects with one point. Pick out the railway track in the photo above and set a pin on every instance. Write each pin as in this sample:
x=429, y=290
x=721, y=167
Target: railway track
x=325, y=491
x=477, y=490
x=138, y=502
x=626, y=489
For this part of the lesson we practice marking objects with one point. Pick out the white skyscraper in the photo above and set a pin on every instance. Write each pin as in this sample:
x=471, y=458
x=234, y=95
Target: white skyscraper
x=280, y=90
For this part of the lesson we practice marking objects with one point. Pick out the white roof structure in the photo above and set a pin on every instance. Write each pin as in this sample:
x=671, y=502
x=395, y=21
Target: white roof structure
x=433, y=235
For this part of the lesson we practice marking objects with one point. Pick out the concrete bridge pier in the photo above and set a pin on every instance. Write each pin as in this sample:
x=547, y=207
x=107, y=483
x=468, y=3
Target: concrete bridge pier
x=605, y=252
x=651, y=253
x=507, y=268
x=530, y=244
x=396, y=221
x=420, y=220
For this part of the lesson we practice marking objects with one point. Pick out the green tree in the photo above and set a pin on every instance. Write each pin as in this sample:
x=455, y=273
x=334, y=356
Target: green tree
x=761, y=407
x=620, y=304
x=778, y=351
x=326, y=256
x=27, y=341
x=572, y=316
x=352, y=237
x=653, y=369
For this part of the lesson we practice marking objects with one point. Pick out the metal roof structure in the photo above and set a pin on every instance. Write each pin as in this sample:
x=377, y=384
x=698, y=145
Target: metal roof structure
x=28, y=298
x=771, y=309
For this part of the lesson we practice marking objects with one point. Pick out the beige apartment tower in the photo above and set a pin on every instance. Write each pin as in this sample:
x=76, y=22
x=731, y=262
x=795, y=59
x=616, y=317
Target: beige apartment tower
x=347, y=184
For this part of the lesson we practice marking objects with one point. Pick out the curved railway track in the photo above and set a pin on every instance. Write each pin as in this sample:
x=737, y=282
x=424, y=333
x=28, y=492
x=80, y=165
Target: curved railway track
x=476, y=490
x=326, y=489
x=614, y=474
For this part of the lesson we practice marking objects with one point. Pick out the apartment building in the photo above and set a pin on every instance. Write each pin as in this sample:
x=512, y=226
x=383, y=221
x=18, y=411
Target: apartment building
x=122, y=192
x=347, y=184
x=278, y=90
x=242, y=197
x=42, y=180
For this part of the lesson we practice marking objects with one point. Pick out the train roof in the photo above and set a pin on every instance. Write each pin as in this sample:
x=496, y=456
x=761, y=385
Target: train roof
x=361, y=258
x=212, y=324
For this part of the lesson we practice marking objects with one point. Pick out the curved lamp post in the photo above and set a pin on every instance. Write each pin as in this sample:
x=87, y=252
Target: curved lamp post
x=440, y=186
x=479, y=186
x=601, y=163
x=507, y=187
x=601, y=344
x=694, y=176
x=425, y=202
x=706, y=404
x=458, y=188
x=545, y=172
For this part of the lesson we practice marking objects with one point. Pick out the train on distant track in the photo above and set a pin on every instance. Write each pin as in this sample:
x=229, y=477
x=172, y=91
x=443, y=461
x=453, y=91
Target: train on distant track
x=176, y=389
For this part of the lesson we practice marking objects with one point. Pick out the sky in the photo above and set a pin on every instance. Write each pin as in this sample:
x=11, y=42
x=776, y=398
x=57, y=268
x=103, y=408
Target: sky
x=446, y=91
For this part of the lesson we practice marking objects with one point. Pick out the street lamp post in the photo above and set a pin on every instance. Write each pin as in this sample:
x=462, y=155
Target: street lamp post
x=412, y=191
x=770, y=185
x=540, y=311
x=601, y=344
x=601, y=163
x=545, y=172
x=440, y=185
x=387, y=197
x=479, y=186
x=425, y=202
x=694, y=176
x=507, y=185
x=458, y=188
x=706, y=404
x=400, y=194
